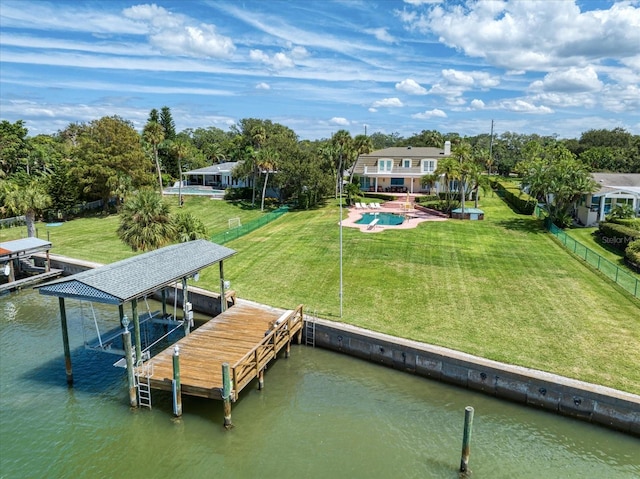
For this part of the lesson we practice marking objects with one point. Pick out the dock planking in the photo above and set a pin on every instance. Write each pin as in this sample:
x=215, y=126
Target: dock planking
x=246, y=337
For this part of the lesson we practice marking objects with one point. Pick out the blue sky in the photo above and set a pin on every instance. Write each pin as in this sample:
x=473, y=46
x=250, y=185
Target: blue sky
x=548, y=67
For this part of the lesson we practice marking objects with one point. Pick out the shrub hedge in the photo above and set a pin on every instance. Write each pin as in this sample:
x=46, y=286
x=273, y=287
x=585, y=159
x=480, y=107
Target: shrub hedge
x=633, y=223
x=518, y=199
x=617, y=235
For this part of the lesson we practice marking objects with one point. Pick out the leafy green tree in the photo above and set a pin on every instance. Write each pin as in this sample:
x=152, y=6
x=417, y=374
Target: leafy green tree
x=14, y=149
x=145, y=222
x=26, y=196
x=107, y=148
x=557, y=179
x=188, y=227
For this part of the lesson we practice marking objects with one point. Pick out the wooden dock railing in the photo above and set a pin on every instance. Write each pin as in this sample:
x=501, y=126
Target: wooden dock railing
x=278, y=336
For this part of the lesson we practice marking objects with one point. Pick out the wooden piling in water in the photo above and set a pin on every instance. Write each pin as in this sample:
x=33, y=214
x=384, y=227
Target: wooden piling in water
x=466, y=439
x=226, y=394
x=177, y=388
x=128, y=354
x=65, y=341
x=261, y=379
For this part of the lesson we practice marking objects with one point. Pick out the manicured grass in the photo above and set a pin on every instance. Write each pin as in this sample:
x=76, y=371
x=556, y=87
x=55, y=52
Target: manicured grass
x=95, y=238
x=501, y=288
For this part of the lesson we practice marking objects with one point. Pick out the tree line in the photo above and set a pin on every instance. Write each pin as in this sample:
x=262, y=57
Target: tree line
x=108, y=158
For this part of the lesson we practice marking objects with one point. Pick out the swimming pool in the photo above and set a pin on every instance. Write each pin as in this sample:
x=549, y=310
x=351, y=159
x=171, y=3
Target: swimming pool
x=384, y=219
x=193, y=190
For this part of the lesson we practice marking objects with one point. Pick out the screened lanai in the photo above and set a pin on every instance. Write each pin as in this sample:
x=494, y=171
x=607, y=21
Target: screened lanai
x=135, y=278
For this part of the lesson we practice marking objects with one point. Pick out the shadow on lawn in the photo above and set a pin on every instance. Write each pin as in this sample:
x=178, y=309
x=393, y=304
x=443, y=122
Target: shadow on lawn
x=525, y=225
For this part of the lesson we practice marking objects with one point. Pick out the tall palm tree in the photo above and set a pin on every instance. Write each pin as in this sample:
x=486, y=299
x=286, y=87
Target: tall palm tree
x=153, y=135
x=258, y=138
x=267, y=161
x=362, y=145
x=462, y=153
x=145, y=222
x=448, y=170
x=181, y=150
x=27, y=200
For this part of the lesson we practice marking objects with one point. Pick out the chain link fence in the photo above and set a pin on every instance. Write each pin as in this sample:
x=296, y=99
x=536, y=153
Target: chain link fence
x=234, y=233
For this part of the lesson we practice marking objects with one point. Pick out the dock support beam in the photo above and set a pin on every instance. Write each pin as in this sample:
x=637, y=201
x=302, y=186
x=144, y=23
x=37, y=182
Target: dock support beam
x=226, y=395
x=136, y=329
x=223, y=299
x=466, y=439
x=128, y=354
x=65, y=341
x=164, y=303
x=176, y=387
x=185, y=300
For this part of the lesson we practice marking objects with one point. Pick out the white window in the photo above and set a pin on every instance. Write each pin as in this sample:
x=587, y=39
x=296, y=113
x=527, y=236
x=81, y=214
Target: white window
x=406, y=163
x=428, y=166
x=385, y=165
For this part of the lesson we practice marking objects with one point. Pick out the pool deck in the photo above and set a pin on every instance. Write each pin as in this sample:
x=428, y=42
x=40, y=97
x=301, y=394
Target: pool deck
x=413, y=217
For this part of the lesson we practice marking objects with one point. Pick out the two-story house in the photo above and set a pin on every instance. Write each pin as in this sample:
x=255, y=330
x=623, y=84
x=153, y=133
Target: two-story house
x=398, y=169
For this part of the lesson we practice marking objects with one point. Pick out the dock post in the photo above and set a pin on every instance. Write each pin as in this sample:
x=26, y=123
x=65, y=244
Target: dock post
x=226, y=395
x=65, y=341
x=136, y=328
x=128, y=354
x=466, y=439
x=164, y=303
x=177, y=389
x=261, y=379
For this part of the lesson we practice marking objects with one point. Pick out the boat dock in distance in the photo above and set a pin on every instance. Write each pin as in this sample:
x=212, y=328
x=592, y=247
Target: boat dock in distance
x=220, y=358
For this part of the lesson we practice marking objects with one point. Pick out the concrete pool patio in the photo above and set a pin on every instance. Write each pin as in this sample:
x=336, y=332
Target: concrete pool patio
x=413, y=216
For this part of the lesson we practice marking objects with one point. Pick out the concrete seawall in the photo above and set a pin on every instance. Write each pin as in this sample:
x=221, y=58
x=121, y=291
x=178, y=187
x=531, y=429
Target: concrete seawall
x=588, y=402
x=568, y=397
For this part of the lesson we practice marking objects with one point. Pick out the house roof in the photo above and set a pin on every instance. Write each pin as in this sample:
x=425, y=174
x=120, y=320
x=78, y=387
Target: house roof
x=617, y=182
x=22, y=247
x=415, y=154
x=138, y=276
x=216, y=169
x=406, y=152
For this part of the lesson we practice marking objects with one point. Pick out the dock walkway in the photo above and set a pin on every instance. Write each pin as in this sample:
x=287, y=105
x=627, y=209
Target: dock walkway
x=246, y=337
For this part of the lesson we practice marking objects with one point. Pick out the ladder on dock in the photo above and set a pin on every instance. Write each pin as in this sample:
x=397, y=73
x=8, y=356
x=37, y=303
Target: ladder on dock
x=310, y=331
x=143, y=372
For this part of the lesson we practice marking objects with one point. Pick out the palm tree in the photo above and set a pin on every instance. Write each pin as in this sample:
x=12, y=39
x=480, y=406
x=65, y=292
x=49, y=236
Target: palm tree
x=153, y=134
x=181, y=149
x=188, y=227
x=258, y=137
x=462, y=153
x=145, y=222
x=267, y=161
x=448, y=170
x=362, y=145
x=27, y=200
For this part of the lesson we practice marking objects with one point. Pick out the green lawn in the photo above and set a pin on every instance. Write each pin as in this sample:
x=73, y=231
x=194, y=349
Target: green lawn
x=500, y=288
x=587, y=237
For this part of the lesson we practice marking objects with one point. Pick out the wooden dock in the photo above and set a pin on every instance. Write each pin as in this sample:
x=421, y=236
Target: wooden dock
x=246, y=337
x=30, y=280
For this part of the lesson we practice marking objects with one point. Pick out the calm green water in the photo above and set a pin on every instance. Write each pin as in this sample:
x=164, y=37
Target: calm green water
x=321, y=415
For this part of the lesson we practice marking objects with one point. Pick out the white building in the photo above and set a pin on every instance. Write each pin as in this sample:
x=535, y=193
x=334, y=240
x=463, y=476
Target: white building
x=615, y=189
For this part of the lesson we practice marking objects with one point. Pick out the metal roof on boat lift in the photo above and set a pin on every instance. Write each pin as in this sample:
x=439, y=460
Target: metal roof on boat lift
x=138, y=276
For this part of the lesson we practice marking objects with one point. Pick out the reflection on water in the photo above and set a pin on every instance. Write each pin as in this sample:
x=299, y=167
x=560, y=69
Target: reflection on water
x=320, y=415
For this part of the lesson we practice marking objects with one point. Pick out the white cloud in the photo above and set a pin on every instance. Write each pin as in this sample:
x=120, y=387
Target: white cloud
x=569, y=81
x=263, y=86
x=425, y=115
x=177, y=34
x=532, y=35
x=388, y=102
x=279, y=61
x=373, y=110
x=381, y=34
x=477, y=104
x=470, y=79
x=522, y=106
x=339, y=121
x=411, y=87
